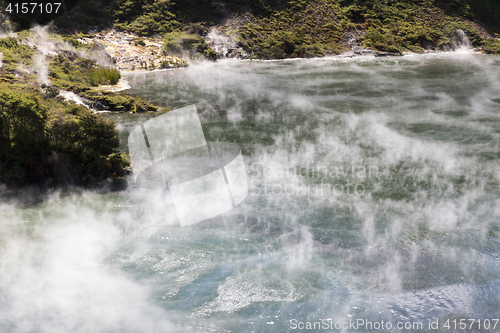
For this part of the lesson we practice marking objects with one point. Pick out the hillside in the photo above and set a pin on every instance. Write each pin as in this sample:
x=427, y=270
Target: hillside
x=297, y=28
x=44, y=136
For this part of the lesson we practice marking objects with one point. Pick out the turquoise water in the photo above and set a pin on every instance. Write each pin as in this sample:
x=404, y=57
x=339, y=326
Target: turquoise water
x=374, y=196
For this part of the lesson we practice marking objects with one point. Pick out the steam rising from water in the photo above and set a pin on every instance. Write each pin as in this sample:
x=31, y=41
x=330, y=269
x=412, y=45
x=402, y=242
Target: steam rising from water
x=420, y=240
x=39, y=38
x=55, y=278
x=48, y=44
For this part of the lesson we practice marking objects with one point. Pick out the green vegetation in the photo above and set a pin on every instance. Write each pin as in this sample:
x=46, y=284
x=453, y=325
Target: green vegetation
x=396, y=26
x=77, y=74
x=14, y=54
x=103, y=75
x=143, y=17
x=72, y=40
x=315, y=28
x=300, y=28
x=69, y=70
x=23, y=136
x=491, y=46
x=42, y=137
x=295, y=28
x=103, y=100
x=303, y=29
x=178, y=43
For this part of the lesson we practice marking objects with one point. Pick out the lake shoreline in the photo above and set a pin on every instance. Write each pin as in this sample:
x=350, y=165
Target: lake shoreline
x=150, y=52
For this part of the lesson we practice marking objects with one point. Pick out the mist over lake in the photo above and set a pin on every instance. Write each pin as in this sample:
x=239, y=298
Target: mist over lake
x=374, y=194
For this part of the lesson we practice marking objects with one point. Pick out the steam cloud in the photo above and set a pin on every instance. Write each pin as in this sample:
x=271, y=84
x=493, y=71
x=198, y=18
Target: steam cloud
x=421, y=241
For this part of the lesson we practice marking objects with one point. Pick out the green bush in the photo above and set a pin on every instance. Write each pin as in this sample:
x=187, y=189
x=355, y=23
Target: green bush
x=491, y=46
x=144, y=17
x=14, y=54
x=103, y=75
x=24, y=137
x=76, y=43
x=302, y=29
x=382, y=39
x=44, y=139
x=68, y=70
x=179, y=43
x=117, y=102
x=86, y=145
x=318, y=26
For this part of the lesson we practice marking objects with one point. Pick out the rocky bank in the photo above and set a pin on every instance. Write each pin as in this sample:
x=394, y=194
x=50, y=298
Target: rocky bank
x=130, y=52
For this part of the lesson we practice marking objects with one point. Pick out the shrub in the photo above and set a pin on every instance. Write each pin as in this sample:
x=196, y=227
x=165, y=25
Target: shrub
x=24, y=140
x=302, y=29
x=76, y=43
x=69, y=71
x=14, y=53
x=45, y=139
x=86, y=145
x=491, y=46
x=103, y=75
x=117, y=102
x=144, y=18
x=179, y=43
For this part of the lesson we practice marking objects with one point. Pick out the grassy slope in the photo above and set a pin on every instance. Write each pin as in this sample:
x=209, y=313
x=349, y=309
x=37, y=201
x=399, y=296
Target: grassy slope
x=299, y=28
x=302, y=28
x=312, y=28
